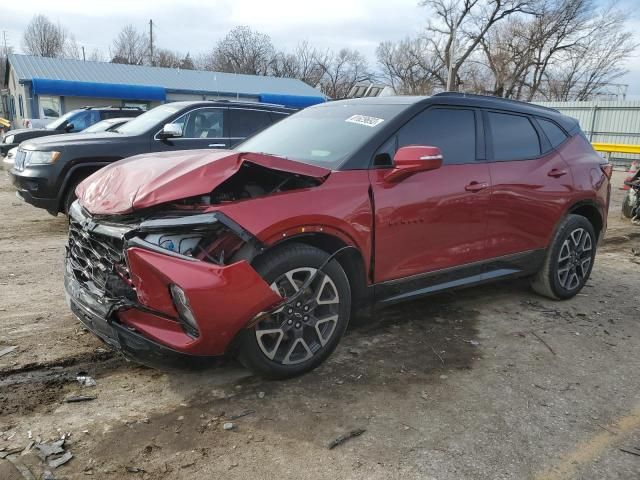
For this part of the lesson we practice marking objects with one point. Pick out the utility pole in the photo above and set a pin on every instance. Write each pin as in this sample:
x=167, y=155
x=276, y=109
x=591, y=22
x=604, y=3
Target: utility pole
x=84, y=59
x=151, y=42
x=452, y=49
x=4, y=36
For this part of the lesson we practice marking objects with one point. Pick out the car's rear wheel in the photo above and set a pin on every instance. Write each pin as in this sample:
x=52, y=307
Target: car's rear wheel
x=569, y=259
x=299, y=336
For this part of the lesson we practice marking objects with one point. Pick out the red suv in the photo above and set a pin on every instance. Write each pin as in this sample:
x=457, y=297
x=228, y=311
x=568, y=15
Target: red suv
x=266, y=251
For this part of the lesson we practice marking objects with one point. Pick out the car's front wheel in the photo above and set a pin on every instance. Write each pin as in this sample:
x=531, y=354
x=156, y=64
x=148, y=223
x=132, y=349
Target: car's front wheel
x=298, y=337
x=569, y=259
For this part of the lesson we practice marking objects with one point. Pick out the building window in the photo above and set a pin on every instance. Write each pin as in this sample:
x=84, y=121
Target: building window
x=49, y=106
x=144, y=106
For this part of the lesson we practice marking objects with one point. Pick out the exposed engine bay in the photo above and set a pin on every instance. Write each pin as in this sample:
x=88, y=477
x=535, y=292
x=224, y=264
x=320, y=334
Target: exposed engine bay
x=253, y=181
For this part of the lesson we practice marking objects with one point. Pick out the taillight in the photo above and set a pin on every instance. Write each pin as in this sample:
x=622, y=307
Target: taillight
x=607, y=169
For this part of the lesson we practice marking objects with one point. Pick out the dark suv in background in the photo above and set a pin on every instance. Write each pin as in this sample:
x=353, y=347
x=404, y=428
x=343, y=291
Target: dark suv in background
x=70, y=122
x=46, y=171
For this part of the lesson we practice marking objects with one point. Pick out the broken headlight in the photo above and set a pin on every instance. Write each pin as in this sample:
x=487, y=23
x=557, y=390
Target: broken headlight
x=185, y=314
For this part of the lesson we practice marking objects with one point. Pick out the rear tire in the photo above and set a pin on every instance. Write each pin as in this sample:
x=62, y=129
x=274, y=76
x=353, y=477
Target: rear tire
x=569, y=260
x=299, y=337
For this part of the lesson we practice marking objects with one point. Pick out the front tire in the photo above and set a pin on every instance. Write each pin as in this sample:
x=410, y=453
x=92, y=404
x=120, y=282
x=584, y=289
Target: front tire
x=70, y=197
x=298, y=337
x=569, y=260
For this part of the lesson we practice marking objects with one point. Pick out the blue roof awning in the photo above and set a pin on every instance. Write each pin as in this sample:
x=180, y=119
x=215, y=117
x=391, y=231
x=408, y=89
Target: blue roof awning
x=70, y=88
x=292, y=101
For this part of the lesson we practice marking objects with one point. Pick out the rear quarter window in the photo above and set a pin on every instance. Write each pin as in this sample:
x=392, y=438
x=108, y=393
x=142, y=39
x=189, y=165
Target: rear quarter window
x=553, y=132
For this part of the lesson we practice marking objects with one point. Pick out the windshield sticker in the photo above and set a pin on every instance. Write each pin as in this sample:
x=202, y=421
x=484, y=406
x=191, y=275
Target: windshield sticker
x=365, y=120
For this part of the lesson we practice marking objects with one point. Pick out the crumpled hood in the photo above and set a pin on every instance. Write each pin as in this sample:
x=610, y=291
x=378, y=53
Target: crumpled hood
x=146, y=180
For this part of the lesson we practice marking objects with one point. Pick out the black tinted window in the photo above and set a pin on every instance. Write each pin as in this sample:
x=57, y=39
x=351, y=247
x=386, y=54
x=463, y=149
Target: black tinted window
x=513, y=137
x=451, y=130
x=247, y=122
x=553, y=132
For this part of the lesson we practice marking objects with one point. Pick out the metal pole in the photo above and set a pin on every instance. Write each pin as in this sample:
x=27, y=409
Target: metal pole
x=84, y=58
x=452, y=47
x=151, y=42
x=593, y=122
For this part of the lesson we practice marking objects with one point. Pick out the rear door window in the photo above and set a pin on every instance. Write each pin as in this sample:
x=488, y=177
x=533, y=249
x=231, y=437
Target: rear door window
x=513, y=137
x=453, y=130
x=244, y=122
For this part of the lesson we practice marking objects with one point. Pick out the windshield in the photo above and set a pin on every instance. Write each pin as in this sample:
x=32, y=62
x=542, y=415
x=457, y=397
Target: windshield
x=101, y=126
x=325, y=135
x=59, y=121
x=148, y=120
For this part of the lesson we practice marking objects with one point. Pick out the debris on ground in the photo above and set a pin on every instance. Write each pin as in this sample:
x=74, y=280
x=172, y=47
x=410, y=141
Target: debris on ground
x=261, y=395
x=473, y=343
x=85, y=380
x=61, y=460
x=631, y=450
x=49, y=449
x=242, y=414
x=135, y=470
x=7, y=350
x=79, y=398
x=229, y=426
x=53, y=453
x=343, y=438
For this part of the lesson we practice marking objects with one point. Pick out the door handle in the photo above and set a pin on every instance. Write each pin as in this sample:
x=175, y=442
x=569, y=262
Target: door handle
x=476, y=186
x=556, y=172
x=217, y=145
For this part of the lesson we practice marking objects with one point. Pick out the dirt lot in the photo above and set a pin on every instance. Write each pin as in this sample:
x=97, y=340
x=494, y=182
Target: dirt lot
x=486, y=383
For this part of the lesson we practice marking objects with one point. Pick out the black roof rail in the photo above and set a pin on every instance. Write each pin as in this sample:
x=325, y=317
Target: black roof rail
x=491, y=97
x=117, y=107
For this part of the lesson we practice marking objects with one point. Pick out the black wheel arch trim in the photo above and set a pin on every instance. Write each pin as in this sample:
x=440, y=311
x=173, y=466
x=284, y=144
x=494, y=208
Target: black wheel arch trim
x=71, y=172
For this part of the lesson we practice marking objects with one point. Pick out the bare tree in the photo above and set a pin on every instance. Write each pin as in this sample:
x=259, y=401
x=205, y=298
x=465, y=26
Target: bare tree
x=302, y=64
x=242, y=50
x=568, y=50
x=459, y=26
x=96, y=56
x=44, y=38
x=4, y=54
x=409, y=67
x=187, y=63
x=342, y=71
x=166, y=58
x=130, y=46
x=594, y=61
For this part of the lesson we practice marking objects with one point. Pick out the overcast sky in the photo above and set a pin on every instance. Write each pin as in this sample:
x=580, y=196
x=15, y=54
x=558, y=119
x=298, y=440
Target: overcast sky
x=195, y=26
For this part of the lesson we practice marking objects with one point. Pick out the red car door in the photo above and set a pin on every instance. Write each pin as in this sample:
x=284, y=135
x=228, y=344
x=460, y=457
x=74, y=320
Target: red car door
x=529, y=189
x=436, y=219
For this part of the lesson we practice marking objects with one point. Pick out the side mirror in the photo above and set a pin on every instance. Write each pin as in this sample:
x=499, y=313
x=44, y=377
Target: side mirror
x=413, y=159
x=171, y=130
x=68, y=127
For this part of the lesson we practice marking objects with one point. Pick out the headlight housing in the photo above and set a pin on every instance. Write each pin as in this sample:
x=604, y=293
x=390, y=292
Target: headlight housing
x=9, y=138
x=185, y=314
x=34, y=157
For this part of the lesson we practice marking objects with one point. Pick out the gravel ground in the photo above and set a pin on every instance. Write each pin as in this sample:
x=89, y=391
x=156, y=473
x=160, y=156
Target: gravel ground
x=486, y=383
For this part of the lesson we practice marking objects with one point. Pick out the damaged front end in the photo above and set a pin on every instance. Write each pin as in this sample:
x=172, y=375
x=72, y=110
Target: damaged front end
x=164, y=288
